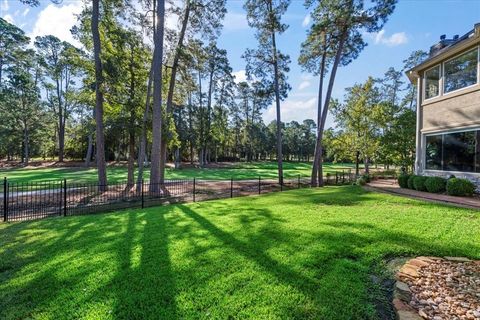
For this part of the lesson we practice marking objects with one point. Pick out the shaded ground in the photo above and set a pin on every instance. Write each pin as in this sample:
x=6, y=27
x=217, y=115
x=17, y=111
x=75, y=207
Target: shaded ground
x=304, y=254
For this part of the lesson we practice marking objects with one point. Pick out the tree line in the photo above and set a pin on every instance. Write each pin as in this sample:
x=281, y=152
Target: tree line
x=139, y=90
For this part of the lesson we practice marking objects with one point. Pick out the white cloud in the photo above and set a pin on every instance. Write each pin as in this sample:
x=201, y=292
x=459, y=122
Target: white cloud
x=26, y=11
x=235, y=21
x=240, y=76
x=57, y=20
x=395, y=39
x=9, y=19
x=4, y=6
x=306, y=20
x=293, y=109
x=304, y=84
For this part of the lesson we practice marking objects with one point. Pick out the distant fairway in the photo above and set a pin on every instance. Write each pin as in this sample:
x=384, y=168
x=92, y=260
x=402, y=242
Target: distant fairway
x=240, y=171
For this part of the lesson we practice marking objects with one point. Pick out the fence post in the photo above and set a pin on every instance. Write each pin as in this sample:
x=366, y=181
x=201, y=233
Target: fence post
x=298, y=181
x=259, y=185
x=193, y=189
x=343, y=176
x=336, y=177
x=143, y=196
x=281, y=184
x=64, y=197
x=5, y=199
x=231, y=187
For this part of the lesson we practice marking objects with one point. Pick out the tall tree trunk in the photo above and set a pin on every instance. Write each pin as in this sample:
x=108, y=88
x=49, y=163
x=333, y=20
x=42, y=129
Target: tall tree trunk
x=143, y=138
x=61, y=122
x=318, y=142
x=357, y=163
x=88, y=156
x=100, y=138
x=26, y=144
x=157, y=97
x=131, y=153
x=206, y=137
x=171, y=87
x=328, y=96
x=190, y=126
x=277, y=106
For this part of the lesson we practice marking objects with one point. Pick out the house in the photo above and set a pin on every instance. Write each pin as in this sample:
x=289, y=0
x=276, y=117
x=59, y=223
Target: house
x=448, y=108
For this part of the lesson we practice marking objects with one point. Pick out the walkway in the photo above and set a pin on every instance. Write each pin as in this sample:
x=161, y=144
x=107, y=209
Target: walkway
x=391, y=186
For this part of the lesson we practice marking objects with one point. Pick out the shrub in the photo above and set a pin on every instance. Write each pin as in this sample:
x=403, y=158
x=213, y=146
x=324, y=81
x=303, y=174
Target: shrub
x=419, y=183
x=460, y=187
x=366, y=177
x=410, y=182
x=361, y=181
x=403, y=180
x=436, y=184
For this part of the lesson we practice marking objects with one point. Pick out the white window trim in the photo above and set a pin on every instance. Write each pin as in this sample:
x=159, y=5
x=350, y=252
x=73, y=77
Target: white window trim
x=452, y=58
x=439, y=66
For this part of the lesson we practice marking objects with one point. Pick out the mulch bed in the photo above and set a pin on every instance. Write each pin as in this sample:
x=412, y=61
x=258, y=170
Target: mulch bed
x=438, y=288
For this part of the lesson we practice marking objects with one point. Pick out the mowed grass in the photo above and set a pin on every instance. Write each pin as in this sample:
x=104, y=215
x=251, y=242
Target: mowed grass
x=119, y=174
x=302, y=254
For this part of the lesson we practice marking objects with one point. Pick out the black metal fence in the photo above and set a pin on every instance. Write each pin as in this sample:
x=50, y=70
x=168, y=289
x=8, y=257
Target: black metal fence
x=36, y=200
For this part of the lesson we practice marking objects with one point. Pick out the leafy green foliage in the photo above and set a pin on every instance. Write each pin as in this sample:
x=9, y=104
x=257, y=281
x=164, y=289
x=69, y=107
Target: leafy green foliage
x=419, y=183
x=436, y=184
x=403, y=180
x=460, y=187
x=410, y=182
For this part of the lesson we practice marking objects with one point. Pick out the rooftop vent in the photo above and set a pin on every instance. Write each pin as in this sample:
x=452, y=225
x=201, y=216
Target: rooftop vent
x=443, y=43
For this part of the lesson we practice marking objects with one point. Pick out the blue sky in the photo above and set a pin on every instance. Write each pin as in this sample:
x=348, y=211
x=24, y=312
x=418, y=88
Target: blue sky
x=415, y=24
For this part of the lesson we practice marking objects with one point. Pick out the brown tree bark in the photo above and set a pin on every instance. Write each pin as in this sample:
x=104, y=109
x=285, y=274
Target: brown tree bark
x=100, y=138
x=157, y=97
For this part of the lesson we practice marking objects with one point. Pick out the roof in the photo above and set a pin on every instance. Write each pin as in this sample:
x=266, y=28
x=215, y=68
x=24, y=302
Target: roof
x=446, y=48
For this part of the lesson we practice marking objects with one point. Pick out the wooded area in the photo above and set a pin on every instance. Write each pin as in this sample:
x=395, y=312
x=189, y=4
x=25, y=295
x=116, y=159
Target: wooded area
x=142, y=92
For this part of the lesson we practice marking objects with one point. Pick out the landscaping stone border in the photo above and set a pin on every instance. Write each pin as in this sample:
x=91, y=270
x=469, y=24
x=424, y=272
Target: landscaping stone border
x=438, y=288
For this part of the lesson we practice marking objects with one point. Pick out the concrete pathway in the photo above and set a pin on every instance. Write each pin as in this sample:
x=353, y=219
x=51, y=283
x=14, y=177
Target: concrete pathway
x=391, y=186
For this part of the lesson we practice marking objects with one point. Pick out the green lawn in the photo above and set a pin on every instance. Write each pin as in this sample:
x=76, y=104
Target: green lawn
x=303, y=254
x=119, y=174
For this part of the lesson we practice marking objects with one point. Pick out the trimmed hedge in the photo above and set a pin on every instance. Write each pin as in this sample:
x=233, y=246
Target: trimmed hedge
x=403, y=180
x=419, y=183
x=410, y=182
x=436, y=184
x=460, y=187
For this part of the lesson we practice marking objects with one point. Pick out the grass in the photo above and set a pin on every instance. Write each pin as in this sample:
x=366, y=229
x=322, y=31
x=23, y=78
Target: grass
x=119, y=174
x=303, y=254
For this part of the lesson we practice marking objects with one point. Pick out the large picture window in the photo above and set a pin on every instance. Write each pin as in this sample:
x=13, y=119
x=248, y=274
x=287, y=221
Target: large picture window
x=432, y=82
x=461, y=72
x=457, y=151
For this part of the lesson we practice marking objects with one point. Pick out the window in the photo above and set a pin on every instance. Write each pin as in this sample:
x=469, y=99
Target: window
x=433, y=156
x=461, y=72
x=458, y=151
x=432, y=82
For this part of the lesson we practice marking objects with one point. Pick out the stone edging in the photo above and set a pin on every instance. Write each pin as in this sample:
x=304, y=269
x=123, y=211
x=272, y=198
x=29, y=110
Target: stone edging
x=411, y=273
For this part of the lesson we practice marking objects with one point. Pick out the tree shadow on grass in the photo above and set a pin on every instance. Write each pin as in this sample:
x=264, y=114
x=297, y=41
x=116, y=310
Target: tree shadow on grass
x=189, y=261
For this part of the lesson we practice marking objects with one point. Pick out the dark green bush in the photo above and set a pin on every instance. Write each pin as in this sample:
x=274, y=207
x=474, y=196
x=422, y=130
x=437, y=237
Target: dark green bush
x=419, y=183
x=460, y=187
x=436, y=184
x=410, y=182
x=403, y=180
x=367, y=177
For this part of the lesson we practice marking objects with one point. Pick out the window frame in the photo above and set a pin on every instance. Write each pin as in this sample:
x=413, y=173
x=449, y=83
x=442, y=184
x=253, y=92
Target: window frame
x=440, y=73
x=444, y=93
x=424, y=149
